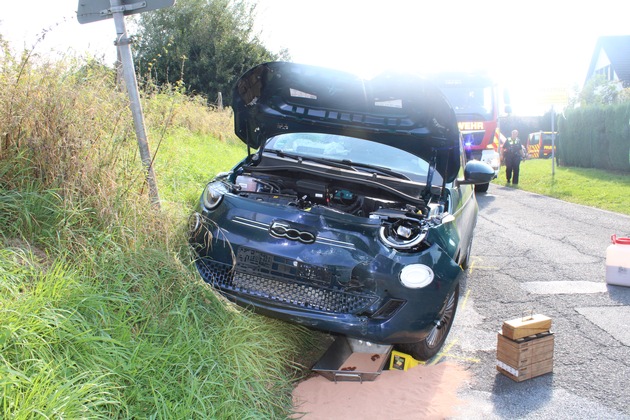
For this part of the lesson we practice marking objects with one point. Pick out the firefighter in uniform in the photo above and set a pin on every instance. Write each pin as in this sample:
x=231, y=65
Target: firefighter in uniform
x=512, y=155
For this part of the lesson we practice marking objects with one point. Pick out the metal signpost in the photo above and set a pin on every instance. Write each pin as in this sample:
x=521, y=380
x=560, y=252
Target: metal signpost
x=553, y=141
x=554, y=96
x=95, y=10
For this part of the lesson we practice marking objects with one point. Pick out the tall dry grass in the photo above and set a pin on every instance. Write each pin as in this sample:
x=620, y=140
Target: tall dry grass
x=66, y=126
x=101, y=313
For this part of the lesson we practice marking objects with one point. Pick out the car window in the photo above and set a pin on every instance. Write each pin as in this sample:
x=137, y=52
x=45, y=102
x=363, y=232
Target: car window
x=355, y=150
x=470, y=100
x=547, y=139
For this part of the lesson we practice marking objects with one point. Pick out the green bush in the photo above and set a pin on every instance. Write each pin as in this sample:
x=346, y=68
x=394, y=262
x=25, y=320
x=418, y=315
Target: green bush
x=619, y=147
x=596, y=136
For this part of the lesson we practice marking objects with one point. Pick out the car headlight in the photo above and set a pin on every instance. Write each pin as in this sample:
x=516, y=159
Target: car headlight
x=416, y=276
x=194, y=222
x=402, y=234
x=213, y=194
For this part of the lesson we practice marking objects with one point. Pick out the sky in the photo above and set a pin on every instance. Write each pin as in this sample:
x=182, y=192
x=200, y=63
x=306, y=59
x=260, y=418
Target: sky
x=539, y=50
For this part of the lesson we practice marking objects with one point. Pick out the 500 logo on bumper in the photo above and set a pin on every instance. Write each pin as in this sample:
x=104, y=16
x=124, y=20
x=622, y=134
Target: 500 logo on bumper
x=282, y=230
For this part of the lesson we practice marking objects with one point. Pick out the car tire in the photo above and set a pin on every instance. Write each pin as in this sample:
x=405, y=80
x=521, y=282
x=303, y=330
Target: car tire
x=429, y=347
x=482, y=188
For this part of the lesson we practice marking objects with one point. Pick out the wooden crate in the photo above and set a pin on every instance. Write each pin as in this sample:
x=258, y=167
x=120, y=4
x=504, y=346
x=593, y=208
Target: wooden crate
x=525, y=358
x=526, y=372
x=522, y=327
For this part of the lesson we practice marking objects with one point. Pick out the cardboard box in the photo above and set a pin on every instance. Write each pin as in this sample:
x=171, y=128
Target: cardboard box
x=526, y=372
x=525, y=358
x=523, y=327
x=523, y=352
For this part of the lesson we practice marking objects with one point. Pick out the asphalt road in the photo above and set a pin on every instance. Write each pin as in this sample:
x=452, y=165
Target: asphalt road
x=534, y=254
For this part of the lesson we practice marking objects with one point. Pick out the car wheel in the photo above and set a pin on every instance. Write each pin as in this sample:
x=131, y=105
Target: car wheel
x=429, y=347
x=481, y=187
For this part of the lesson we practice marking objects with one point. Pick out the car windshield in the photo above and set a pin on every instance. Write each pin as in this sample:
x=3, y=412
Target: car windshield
x=547, y=140
x=355, y=153
x=470, y=100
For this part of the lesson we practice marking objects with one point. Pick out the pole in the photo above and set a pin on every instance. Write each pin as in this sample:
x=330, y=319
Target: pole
x=553, y=142
x=123, y=42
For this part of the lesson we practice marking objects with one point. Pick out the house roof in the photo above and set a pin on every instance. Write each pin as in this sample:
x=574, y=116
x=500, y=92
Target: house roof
x=617, y=48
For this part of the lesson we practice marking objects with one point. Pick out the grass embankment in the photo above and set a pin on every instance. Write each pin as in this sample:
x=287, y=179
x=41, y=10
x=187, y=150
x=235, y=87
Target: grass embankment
x=590, y=187
x=101, y=313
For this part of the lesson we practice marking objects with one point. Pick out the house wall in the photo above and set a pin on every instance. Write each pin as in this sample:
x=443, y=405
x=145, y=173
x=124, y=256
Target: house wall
x=603, y=66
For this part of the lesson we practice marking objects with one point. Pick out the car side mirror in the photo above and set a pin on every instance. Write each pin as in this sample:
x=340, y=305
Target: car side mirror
x=476, y=172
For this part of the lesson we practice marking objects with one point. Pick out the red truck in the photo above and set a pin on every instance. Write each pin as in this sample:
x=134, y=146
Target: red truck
x=478, y=103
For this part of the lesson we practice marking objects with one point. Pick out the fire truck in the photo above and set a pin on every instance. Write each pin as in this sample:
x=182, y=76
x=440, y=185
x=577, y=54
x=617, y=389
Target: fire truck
x=478, y=103
x=540, y=144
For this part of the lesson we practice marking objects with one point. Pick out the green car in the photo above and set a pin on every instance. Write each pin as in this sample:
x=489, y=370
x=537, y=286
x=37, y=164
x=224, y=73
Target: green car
x=353, y=212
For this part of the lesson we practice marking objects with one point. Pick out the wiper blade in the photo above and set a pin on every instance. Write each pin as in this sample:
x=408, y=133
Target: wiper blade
x=284, y=154
x=300, y=158
x=378, y=168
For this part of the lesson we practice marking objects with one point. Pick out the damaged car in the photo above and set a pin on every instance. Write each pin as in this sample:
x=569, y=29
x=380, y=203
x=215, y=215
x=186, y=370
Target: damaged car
x=352, y=213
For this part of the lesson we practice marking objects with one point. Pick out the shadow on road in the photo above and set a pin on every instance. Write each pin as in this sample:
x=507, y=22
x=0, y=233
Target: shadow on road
x=518, y=399
x=619, y=294
x=484, y=199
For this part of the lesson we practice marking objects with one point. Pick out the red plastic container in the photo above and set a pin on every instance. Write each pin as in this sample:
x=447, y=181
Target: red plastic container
x=618, y=262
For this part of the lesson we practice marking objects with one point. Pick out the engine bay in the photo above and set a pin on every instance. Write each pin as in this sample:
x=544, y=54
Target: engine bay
x=302, y=193
x=403, y=224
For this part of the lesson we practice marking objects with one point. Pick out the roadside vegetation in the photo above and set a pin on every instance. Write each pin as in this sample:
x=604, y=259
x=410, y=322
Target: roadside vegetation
x=101, y=313
x=598, y=188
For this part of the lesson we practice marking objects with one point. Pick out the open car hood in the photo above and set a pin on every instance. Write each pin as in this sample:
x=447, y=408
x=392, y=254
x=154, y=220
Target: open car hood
x=400, y=110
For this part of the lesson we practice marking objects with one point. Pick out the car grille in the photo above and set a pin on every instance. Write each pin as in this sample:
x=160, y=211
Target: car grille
x=279, y=290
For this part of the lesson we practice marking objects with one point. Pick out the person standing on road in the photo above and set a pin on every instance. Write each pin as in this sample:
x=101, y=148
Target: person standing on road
x=512, y=155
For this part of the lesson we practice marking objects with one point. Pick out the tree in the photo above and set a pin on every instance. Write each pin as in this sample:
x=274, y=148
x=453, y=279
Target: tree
x=203, y=44
x=598, y=91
